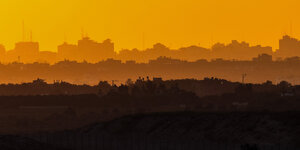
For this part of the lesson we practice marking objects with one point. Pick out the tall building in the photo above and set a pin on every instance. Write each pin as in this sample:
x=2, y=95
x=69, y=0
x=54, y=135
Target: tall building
x=27, y=48
x=87, y=50
x=24, y=52
x=93, y=51
x=288, y=47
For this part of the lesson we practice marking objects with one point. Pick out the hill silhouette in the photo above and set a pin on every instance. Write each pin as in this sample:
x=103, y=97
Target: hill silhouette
x=13, y=142
x=33, y=111
x=188, y=130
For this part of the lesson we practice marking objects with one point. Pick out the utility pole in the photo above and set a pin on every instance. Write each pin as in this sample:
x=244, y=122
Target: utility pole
x=291, y=28
x=243, y=77
x=143, y=41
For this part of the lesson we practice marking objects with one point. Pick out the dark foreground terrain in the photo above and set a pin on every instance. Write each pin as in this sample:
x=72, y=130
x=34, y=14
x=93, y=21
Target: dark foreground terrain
x=185, y=131
x=229, y=116
x=8, y=142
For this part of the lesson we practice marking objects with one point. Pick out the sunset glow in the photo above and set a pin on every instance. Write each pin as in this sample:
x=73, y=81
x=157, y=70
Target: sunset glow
x=142, y=23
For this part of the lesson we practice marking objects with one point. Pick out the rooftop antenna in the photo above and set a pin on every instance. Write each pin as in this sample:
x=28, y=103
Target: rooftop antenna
x=65, y=37
x=86, y=34
x=143, y=41
x=243, y=37
x=291, y=28
x=30, y=35
x=23, y=30
x=211, y=40
x=82, y=32
x=243, y=77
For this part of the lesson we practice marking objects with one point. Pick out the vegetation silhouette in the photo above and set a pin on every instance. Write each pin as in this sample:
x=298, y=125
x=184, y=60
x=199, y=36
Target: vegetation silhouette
x=40, y=106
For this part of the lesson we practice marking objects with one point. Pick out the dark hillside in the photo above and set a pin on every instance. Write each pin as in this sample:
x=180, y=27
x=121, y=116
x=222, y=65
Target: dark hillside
x=188, y=130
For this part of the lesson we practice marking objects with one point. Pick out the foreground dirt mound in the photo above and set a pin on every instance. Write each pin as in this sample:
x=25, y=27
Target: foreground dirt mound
x=245, y=127
x=8, y=142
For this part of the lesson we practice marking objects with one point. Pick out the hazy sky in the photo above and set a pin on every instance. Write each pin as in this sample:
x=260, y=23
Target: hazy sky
x=175, y=23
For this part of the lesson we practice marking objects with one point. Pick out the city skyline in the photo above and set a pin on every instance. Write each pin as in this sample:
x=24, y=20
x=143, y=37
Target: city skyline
x=29, y=37
x=142, y=23
x=85, y=35
x=87, y=49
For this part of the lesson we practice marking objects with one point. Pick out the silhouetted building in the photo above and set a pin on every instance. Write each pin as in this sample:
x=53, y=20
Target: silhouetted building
x=67, y=51
x=130, y=62
x=294, y=59
x=288, y=47
x=27, y=47
x=2, y=49
x=94, y=51
x=165, y=60
x=111, y=61
x=2, y=52
x=47, y=57
x=87, y=50
x=24, y=52
x=263, y=58
x=237, y=50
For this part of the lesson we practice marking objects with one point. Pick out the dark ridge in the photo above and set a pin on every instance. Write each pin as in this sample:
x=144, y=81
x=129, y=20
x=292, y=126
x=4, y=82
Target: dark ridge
x=233, y=127
x=12, y=142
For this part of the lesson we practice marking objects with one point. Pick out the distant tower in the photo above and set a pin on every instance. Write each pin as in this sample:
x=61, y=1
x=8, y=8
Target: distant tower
x=23, y=31
x=212, y=40
x=65, y=38
x=82, y=33
x=143, y=41
x=291, y=28
x=30, y=36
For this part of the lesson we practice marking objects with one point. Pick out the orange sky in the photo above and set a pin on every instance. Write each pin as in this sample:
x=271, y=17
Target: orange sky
x=175, y=23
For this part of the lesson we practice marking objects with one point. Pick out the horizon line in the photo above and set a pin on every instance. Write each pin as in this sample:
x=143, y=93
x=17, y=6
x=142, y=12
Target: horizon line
x=168, y=46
